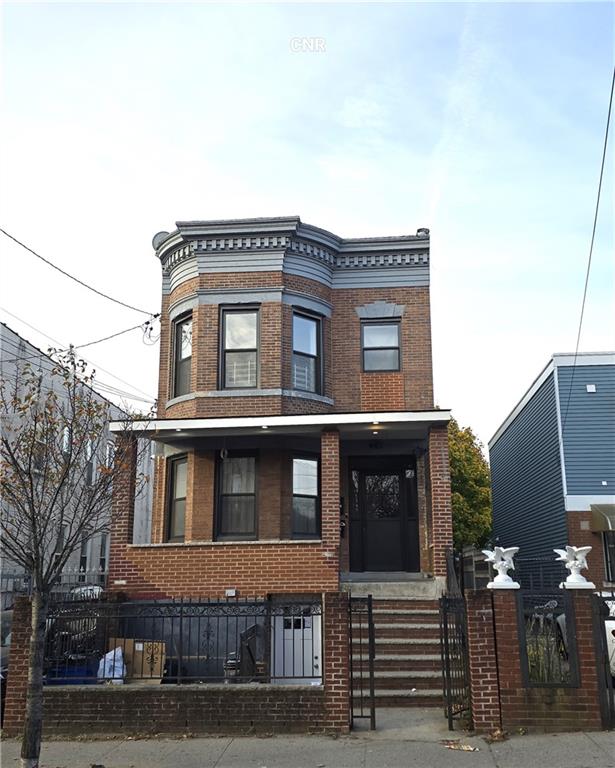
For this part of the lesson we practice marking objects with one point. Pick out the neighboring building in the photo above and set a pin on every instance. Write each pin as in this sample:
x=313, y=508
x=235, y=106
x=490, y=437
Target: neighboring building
x=90, y=562
x=553, y=467
x=299, y=448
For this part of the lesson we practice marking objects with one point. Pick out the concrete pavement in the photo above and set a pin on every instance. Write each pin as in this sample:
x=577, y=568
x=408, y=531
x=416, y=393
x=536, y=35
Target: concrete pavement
x=404, y=739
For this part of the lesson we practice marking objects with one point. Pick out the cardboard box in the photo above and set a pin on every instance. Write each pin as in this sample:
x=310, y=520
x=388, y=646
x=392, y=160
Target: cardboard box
x=144, y=659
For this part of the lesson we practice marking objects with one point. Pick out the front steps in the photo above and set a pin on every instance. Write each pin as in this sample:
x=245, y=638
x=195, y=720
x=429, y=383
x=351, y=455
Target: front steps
x=408, y=664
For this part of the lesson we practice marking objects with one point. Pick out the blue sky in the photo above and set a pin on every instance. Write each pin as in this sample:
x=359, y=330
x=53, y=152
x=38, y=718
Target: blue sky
x=482, y=121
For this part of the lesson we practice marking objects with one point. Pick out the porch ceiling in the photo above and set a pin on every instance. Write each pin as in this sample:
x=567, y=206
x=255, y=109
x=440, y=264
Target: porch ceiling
x=351, y=426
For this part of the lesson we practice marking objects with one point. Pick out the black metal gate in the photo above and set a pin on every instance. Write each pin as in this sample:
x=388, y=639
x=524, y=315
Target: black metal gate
x=603, y=610
x=455, y=660
x=362, y=655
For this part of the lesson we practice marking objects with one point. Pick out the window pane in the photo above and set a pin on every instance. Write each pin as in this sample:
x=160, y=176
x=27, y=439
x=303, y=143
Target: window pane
x=180, y=473
x=238, y=475
x=237, y=516
x=178, y=518
x=184, y=339
x=304, y=335
x=382, y=497
x=304, y=516
x=240, y=369
x=609, y=549
x=381, y=335
x=304, y=373
x=381, y=359
x=182, y=377
x=240, y=330
x=305, y=477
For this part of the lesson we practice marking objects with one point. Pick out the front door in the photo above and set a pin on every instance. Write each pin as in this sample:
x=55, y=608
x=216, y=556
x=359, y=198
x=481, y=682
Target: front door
x=384, y=518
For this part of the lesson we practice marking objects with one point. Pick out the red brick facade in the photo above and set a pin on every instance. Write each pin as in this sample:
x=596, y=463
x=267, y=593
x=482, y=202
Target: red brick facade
x=581, y=535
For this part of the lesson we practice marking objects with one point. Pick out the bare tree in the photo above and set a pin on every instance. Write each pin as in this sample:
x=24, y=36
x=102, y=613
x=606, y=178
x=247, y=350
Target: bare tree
x=57, y=469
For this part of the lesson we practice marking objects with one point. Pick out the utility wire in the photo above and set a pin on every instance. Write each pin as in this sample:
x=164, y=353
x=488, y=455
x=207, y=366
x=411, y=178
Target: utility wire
x=591, y=249
x=71, y=277
x=64, y=347
x=142, y=326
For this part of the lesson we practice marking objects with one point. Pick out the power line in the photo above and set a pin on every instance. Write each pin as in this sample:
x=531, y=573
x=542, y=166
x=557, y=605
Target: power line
x=142, y=326
x=71, y=277
x=64, y=347
x=591, y=248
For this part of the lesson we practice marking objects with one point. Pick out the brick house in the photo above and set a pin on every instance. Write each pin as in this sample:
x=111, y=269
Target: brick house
x=298, y=449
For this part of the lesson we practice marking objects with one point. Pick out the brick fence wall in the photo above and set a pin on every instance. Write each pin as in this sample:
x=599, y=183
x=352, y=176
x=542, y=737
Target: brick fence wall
x=207, y=708
x=495, y=664
x=197, y=709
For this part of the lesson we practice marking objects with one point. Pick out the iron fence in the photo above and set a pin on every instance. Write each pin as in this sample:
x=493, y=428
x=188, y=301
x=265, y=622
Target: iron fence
x=455, y=659
x=184, y=641
x=362, y=655
x=74, y=584
x=603, y=617
x=547, y=639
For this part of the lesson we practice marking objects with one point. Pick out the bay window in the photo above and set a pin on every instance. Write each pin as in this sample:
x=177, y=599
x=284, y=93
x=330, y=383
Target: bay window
x=177, y=489
x=236, y=514
x=306, y=353
x=182, y=361
x=239, y=355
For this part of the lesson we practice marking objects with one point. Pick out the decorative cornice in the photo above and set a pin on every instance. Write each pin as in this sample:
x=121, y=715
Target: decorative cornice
x=276, y=238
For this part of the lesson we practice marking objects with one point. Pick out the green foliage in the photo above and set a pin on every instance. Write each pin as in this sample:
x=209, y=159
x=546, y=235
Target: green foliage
x=470, y=486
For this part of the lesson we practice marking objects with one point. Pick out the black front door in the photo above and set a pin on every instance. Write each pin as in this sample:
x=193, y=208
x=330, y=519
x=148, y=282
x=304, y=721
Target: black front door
x=384, y=518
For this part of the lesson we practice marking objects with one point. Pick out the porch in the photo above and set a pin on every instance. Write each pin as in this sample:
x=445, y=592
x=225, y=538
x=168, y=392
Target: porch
x=303, y=502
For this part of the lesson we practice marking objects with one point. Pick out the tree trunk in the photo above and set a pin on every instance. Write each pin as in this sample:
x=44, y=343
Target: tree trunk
x=33, y=727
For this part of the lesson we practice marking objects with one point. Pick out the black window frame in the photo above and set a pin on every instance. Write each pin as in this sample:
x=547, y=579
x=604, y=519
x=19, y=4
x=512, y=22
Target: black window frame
x=318, y=506
x=609, y=563
x=253, y=536
x=318, y=357
x=178, y=323
x=242, y=309
x=172, y=463
x=373, y=322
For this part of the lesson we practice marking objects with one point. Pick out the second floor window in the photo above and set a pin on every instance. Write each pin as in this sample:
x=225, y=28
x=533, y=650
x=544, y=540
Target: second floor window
x=306, y=353
x=380, y=344
x=182, y=356
x=177, y=489
x=239, y=348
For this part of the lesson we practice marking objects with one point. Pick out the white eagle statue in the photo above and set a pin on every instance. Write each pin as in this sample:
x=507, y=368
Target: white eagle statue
x=575, y=560
x=502, y=560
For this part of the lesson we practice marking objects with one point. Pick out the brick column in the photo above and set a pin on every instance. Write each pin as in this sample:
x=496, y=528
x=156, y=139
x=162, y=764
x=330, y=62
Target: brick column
x=17, y=679
x=588, y=693
x=440, y=487
x=336, y=661
x=330, y=496
x=508, y=656
x=484, y=683
x=122, y=506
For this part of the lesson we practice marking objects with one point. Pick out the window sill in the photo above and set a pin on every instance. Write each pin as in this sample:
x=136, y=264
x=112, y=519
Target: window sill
x=234, y=543
x=251, y=392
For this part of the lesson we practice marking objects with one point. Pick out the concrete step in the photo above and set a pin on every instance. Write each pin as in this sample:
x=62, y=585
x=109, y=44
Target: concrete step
x=426, y=589
x=409, y=633
x=391, y=663
x=420, y=697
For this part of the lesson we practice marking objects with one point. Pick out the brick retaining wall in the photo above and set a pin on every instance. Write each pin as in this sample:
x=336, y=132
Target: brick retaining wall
x=173, y=709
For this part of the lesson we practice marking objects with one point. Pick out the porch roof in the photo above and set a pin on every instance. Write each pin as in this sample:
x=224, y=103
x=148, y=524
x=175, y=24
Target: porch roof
x=360, y=425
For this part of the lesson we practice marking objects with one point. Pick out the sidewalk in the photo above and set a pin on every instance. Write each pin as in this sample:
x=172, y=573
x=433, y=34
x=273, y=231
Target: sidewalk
x=404, y=739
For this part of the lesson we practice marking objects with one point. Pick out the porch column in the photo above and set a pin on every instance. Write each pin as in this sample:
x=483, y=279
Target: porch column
x=122, y=505
x=330, y=495
x=440, y=486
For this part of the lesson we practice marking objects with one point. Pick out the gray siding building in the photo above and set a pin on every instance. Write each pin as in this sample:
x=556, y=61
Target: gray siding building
x=90, y=563
x=553, y=468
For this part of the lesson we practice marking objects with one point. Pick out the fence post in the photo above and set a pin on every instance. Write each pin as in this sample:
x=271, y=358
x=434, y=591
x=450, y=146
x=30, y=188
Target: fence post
x=336, y=661
x=484, y=681
x=17, y=678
